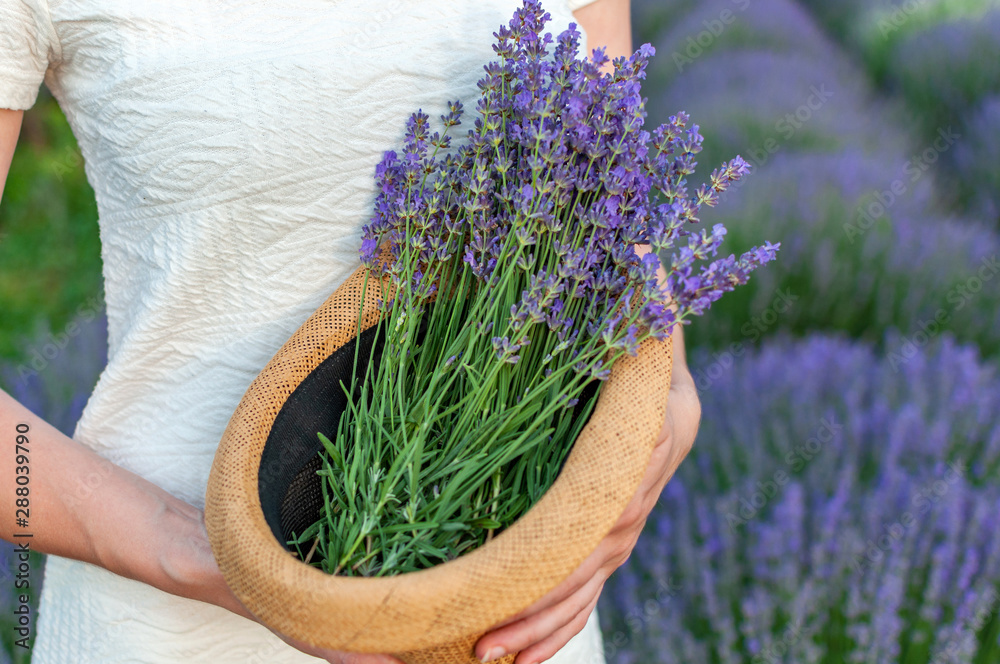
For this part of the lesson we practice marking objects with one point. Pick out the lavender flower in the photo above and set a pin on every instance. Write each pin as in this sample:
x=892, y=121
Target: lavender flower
x=576, y=129
x=979, y=179
x=833, y=510
x=516, y=245
x=951, y=66
x=845, y=268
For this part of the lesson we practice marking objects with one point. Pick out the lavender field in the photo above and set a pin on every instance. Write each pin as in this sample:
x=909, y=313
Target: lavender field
x=842, y=502
x=839, y=503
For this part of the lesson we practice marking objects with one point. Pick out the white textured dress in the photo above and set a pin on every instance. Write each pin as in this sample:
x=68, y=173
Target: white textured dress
x=231, y=147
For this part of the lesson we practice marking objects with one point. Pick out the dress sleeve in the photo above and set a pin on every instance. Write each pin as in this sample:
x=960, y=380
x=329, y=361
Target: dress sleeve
x=28, y=47
x=576, y=4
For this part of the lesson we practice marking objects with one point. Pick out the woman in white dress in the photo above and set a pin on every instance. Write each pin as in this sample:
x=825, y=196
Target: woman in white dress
x=231, y=147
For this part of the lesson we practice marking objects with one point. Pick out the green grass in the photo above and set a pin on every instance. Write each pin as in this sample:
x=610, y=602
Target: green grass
x=911, y=52
x=879, y=30
x=50, y=255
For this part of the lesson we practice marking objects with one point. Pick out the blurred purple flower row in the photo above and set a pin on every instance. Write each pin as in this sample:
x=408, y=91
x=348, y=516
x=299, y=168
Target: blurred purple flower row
x=767, y=79
x=860, y=258
x=857, y=202
x=943, y=59
x=976, y=160
x=58, y=371
x=836, y=508
x=950, y=66
x=54, y=379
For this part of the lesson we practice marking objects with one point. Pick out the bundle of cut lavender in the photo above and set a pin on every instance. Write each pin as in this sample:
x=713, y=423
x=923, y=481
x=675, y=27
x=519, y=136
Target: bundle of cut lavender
x=510, y=283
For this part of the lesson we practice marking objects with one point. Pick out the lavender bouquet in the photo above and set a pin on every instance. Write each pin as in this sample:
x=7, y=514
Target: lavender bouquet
x=510, y=284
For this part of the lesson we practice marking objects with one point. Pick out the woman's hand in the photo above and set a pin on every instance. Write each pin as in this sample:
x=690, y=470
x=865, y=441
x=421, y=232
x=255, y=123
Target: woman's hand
x=543, y=628
x=87, y=508
x=192, y=558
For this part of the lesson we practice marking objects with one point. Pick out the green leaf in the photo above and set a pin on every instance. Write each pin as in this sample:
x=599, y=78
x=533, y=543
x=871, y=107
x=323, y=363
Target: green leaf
x=448, y=527
x=332, y=450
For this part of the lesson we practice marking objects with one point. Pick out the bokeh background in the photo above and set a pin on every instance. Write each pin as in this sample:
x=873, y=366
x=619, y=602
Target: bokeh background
x=842, y=501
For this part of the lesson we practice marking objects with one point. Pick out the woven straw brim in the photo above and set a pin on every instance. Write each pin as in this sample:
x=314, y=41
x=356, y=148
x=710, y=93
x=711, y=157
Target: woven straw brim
x=437, y=614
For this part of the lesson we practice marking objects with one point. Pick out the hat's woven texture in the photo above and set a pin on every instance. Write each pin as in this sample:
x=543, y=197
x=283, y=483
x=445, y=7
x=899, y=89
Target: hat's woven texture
x=437, y=614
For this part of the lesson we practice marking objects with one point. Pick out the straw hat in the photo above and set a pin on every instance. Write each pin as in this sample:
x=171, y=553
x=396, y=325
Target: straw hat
x=263, y=485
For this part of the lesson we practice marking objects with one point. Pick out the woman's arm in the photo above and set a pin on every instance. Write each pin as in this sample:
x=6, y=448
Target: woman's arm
x=542, y=629
x=84, y=507
x=81, y=505
x=608, y=23
x=10, y=127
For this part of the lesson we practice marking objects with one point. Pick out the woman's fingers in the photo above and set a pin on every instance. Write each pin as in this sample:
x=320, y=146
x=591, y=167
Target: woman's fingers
x=543, y=624
x=549, y=646
x=609, y=554
x=543, y=628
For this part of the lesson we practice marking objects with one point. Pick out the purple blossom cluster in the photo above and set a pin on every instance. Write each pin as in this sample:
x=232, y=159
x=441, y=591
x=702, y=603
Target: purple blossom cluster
x=976, y=160
x=55, y=382
x=857, y=264
x=540, y=233
x=951, y=66
x=553, y=187
x=833, y=510
x=855, y=271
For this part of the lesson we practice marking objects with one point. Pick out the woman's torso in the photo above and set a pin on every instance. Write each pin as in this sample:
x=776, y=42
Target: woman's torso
x=231, y=147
